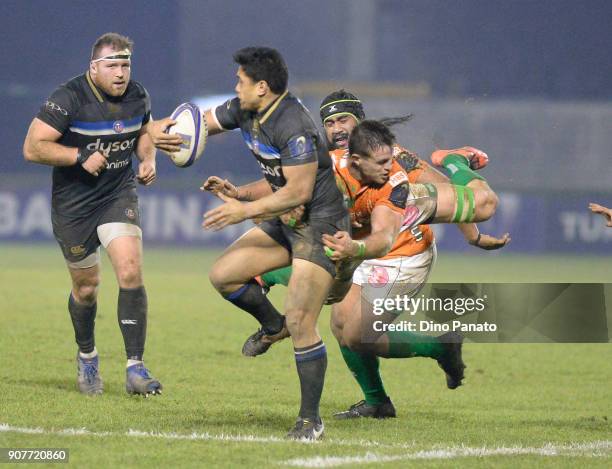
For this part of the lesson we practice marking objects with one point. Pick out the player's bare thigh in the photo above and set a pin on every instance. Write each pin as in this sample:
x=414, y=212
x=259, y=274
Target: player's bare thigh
x=362, y=330
x=354, y=318
x=123, y=244
x=307, y=290
x=125, y=254
x=250, y=255
x=485, y=201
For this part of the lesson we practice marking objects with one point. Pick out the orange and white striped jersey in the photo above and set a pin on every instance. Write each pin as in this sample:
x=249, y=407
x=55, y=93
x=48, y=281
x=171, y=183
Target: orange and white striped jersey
x=362, y=200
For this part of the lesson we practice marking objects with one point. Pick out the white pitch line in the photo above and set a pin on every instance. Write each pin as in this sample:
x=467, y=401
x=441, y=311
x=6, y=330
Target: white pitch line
x=589, y=449
x=4, y=427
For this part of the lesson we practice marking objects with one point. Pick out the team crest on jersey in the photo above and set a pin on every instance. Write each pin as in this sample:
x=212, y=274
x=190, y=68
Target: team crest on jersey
x=118, y=127
x=130, y=213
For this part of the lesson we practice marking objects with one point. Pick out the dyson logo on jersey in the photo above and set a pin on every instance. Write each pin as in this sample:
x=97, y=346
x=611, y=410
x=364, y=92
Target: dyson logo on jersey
x=106, y=148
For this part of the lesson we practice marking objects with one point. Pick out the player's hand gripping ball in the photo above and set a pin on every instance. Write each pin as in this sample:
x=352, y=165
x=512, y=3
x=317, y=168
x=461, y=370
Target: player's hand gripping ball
x=191, y=126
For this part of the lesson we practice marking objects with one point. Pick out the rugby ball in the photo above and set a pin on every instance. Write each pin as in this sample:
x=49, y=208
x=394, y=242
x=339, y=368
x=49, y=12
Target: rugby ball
x=191, y=126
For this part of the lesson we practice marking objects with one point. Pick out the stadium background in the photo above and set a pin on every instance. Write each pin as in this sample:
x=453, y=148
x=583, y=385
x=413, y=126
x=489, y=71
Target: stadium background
x=529, y=82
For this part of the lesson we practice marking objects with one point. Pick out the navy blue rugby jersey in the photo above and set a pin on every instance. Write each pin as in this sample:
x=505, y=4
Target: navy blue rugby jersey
x=87, y=117
x=282, y=135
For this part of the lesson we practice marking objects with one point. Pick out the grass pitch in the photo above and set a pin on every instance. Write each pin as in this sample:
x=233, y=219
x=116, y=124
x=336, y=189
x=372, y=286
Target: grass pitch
x=522, y=404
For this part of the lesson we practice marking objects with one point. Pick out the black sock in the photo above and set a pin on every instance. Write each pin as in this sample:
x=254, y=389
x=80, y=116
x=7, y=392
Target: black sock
x=251, y=299
x=132, y=317
x=83, y=320
x=311, y=365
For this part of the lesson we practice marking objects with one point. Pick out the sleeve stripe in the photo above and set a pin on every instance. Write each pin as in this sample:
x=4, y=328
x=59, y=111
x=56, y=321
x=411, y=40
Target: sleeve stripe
x=214, y=114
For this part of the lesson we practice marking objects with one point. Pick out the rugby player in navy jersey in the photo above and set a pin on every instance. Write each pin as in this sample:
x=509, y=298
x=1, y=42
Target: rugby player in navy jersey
x=88, y=130
x=297, y=170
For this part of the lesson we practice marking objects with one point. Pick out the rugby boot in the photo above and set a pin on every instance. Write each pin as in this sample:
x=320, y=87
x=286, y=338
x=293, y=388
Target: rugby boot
x=139, y=381
x=88, y=375
x=306, y=430
x=259, y=342
x=363, y=409
x=451, y=361
x=477, y=159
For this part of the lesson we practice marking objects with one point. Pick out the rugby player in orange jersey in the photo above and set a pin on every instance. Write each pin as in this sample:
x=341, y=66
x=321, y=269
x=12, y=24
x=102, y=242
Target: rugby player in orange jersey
x=402, y=271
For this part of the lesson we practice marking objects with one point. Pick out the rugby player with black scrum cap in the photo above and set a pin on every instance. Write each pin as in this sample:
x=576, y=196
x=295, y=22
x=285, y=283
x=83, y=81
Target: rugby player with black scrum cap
x=88, y=130
x=297, y=170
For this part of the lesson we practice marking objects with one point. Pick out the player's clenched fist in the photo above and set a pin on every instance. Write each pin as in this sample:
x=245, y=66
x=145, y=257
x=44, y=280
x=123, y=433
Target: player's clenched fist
x=293, y=217
x=94, y=164
x=341, y=246
x=146, y=173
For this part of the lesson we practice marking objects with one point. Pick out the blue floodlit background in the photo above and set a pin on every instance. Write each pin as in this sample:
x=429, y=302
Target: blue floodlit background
x=528, y=82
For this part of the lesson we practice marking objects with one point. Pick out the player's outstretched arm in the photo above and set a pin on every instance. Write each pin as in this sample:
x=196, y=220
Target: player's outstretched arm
x=297, y=191
x=483, y=241
x=247, y=193
x=170, y=143
x=215, y=184
x=603, y=211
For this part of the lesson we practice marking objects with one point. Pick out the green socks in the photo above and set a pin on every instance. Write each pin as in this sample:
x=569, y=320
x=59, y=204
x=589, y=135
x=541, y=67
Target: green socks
x=365, y=370
x=459, y=169
x=404, y=344
x=278, y=276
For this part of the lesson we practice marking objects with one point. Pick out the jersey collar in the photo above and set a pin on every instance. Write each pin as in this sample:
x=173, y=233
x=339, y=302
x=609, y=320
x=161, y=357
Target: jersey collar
x=272, y=107
x=93, y=88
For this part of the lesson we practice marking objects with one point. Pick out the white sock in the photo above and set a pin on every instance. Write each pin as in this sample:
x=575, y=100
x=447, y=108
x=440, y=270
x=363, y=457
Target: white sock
x=90, y=354
x=133, y=362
